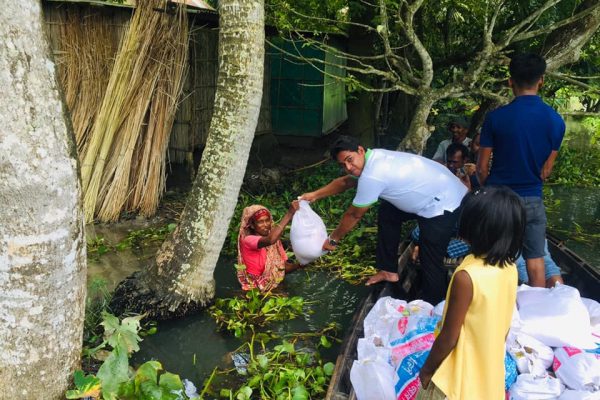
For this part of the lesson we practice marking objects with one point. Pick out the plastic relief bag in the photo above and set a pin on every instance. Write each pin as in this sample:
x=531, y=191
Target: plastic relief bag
x=366, y=348
x=408, y=382
x=579, y=395
x=556, y=317
x=531, y=355
x=577, y=369
x=593, y=308
x=412, y=334
x=307, y=234
x=384, y=313
x=530, y=387
x=372, y=379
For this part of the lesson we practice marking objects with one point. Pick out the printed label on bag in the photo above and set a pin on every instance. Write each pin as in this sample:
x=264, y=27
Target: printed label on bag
x=556, y=364
x=571, y=351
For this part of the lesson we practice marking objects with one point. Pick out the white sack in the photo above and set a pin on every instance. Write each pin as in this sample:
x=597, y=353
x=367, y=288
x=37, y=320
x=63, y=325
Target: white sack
x=307, y=234
x=366, y=348
x=569, y=394
x=373, y=380
x=530, y=387
x=384, y=314
x=556, y=317
x=577, y=369
x=439, y=309
x=531, y=355
x=593, y=308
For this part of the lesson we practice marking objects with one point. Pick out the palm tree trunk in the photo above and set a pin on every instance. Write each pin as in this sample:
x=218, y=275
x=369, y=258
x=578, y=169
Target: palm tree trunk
x=42, y=244
x=181, y=278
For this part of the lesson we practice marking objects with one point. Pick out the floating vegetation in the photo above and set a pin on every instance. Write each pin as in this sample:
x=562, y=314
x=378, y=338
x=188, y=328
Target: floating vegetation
x=254, y=310
x=136, y=240
x=287, y=371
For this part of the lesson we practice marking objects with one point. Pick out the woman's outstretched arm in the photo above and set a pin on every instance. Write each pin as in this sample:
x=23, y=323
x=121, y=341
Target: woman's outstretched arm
x=277, y=229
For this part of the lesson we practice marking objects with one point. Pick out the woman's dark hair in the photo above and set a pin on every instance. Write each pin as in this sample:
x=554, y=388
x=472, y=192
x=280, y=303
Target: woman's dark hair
x=526, y=69
x=343, y=143
x=492, y=221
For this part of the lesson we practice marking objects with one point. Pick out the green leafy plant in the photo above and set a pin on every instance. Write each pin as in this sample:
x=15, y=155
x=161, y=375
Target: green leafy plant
x=254, y=309
x=285, y=372
x=115, y=379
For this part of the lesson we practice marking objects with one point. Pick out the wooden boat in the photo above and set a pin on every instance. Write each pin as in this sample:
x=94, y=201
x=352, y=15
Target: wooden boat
x=575, y=271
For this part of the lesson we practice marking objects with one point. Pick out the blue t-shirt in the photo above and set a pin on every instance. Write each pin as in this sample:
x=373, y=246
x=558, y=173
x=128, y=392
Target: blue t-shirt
x=522, y=135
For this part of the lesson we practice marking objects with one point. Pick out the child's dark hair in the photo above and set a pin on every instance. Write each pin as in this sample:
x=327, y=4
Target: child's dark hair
x=456, y=147
x=343, y=143
x=526, y=69
x=492, y=221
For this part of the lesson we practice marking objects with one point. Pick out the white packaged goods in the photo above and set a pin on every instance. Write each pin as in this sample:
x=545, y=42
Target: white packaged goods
x=439, y=309
x=593, y=308
x=577, y=369
x=373, y=379
x=307, y=234
x=531, y=355
x=382, y=316
x=556, y=317
x=569, y=394
x=530, y=387
x=410, y=335
x=366, y=348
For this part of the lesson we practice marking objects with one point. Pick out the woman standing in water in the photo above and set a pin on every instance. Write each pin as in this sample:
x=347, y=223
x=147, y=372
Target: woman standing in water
x=261, y=255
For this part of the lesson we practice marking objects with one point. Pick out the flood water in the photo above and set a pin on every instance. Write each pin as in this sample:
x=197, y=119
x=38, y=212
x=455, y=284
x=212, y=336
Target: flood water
x=192, y=347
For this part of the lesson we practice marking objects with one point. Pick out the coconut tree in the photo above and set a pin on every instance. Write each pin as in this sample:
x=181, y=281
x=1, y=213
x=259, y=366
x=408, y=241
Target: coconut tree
x=181, y=278
x=42, y=245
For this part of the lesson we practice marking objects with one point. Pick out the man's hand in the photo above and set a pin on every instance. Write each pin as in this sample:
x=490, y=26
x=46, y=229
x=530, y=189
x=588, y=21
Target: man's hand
x=310, y=197
x=328, y=246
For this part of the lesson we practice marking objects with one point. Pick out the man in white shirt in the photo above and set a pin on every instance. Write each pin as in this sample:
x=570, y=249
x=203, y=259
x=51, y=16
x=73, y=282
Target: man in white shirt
x=408, y=187
x=459, y=130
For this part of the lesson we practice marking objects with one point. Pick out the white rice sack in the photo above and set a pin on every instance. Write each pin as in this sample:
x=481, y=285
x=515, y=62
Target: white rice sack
x=569, y=394
x=593, y=308
x=531, y=355
x=577, y=369
x=420, y=307
x=531, y=387
x=367, y=349
x=384, y=314
x=439, y=309
x=307, y=234
x=373, y=379
x=556, y=317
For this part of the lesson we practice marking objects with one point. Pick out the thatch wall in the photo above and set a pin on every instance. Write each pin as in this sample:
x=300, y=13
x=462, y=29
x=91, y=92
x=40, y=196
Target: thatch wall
x=192, y=121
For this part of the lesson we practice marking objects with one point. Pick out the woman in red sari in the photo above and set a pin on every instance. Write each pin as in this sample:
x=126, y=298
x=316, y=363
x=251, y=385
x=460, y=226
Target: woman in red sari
x=261, y=258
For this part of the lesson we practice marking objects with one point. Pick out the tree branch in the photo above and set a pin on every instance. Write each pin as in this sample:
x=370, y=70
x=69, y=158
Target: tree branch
x=408, y=26
x=575, y=82
x=508, y=37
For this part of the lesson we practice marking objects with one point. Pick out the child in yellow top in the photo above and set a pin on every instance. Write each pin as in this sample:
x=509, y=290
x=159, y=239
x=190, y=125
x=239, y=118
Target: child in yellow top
x=466, y=361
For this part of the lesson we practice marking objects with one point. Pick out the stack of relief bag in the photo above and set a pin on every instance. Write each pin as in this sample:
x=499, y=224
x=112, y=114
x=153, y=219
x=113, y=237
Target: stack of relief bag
x=552, y=349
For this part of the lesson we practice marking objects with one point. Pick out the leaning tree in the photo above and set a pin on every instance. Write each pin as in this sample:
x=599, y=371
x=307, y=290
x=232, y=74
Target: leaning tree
x=428, y=51
x=180, y=280
x=42, y=245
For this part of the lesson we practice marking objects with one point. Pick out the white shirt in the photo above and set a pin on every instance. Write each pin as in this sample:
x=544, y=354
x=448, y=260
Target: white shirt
x=440, y=153
x=411, y=183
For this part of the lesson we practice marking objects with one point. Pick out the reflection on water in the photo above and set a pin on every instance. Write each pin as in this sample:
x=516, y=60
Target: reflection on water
x=577, y=206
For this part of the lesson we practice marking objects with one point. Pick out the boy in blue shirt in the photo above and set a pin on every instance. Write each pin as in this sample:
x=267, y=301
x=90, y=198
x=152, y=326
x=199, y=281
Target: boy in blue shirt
x=524, y=136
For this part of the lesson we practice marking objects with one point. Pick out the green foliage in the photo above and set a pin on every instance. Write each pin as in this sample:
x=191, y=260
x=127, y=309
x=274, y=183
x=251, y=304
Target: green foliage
x=285, y=372
x=255, y=309
x=96, y=304
x=115, y=379
x=86, y=386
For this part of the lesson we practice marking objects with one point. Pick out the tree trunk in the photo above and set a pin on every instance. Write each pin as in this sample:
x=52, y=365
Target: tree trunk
x=42, y=245
x=418, y=131
x=181, y=279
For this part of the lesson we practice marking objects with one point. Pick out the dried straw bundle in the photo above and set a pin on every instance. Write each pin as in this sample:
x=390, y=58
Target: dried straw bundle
x=85, y=60
x=130, y=103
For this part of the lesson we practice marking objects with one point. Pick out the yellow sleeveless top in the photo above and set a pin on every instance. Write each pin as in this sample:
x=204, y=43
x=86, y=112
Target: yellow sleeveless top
x=474, y=369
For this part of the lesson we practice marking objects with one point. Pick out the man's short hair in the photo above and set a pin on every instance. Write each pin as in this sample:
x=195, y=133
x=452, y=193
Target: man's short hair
x=454, y=147
x=343, y=143
x=526, y=69
x=457, y=121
